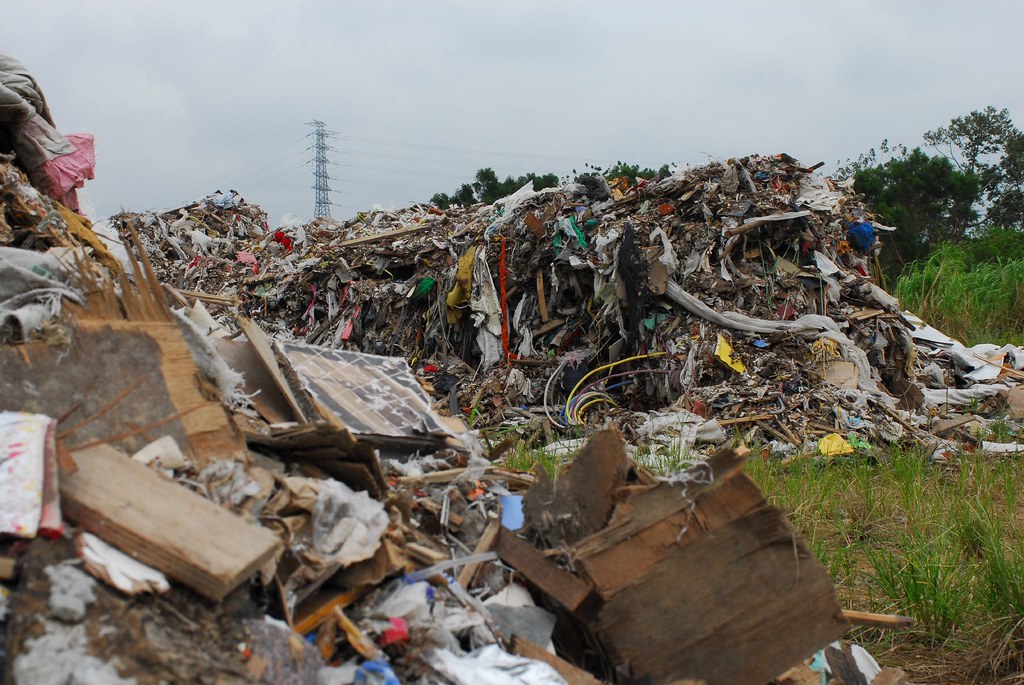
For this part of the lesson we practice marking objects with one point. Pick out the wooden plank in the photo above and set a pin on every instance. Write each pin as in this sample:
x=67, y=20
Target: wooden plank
x=944, y=427
x=739, y=605
x=547, y=327
x=378, y=237
x=571, y=674
x=8, y=568
x=581, y=501
x=883, y=621
x=658, y=503
x=189, y=538
x=745, y=419
x=541, y=301
x=125, y=383
x=309, y=615
x=571, y=592
x=619, y=566
x=484, y=544
x=261, y=346
x=258, y=384
x=751, y=224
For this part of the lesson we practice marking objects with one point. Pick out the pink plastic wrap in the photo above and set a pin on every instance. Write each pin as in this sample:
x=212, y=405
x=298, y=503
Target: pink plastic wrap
x=70, y=171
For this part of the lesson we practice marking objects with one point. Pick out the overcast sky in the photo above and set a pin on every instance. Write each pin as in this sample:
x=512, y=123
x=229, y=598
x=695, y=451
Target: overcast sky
x=189, y=96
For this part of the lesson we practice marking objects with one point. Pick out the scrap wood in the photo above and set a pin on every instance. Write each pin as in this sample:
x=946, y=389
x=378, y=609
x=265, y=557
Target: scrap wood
x=654, y=505
x=424, y=554
x=541, y=300
x=163, y=524
x=945, y=427
x=752, y=589
x=455, y=520
x=486, y=543
x=997, y=361
x=580, y=502
x=207, y=297
x=571, y=674
x=787, y=433
x=884, y=621
x=450, y=475
x=751, y=224
x=745, y=419
x=379, y=237
x=264, y=352
x=8, y=568
x=548, y=326
x=310, y=614
x=573, y=593
x=153, y=393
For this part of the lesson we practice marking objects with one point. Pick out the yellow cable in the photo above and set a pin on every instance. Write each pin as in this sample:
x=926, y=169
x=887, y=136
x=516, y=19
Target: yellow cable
x=568, y=400
x=579, y=411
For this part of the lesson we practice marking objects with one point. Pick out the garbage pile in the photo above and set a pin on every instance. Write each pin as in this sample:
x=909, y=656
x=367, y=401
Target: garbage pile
x=185, y=498
x=733, y=294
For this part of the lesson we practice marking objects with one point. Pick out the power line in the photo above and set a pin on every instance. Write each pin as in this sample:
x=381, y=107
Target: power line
x=398, y=171
x=260, y=162
x=431, y=160
x=424, y=146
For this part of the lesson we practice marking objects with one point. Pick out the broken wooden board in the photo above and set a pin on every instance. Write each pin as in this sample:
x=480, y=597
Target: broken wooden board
x=310, y=614
x=615, y=567
x=945, y=428
x=163, y=524
x=329, y=448
x=379, y=237
x=909, y=395
x=261, y=347
x=738, y=605
x=124, y=383
x=258, y=384
x=1015, y=402
x=703, y=579
x=655, y=504
x=582, y=500
x=568, y=590
x=571, y=674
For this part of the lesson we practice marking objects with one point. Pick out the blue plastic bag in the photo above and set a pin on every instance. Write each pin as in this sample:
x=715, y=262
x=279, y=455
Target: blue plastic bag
x=862, y=235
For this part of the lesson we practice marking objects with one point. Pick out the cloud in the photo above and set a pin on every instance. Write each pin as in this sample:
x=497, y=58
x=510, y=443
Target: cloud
x=187, y=96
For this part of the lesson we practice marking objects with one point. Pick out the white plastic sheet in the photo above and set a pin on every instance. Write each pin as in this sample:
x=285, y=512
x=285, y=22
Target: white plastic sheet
x=494, y=666
x=347, y=525
x=22, y=468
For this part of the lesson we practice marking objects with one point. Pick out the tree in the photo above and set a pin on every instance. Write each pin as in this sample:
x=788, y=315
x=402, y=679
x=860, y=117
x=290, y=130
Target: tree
x=926, y=198
x=630, y=171
x=987, y=144
x=487, y=188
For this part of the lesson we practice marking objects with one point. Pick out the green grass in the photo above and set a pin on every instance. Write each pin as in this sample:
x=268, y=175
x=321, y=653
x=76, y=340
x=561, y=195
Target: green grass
x=942, y=544
x=973, y=301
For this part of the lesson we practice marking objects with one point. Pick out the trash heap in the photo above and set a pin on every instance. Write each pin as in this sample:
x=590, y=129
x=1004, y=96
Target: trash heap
x=737, y=292
x=185, y=498
x=32, y=220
